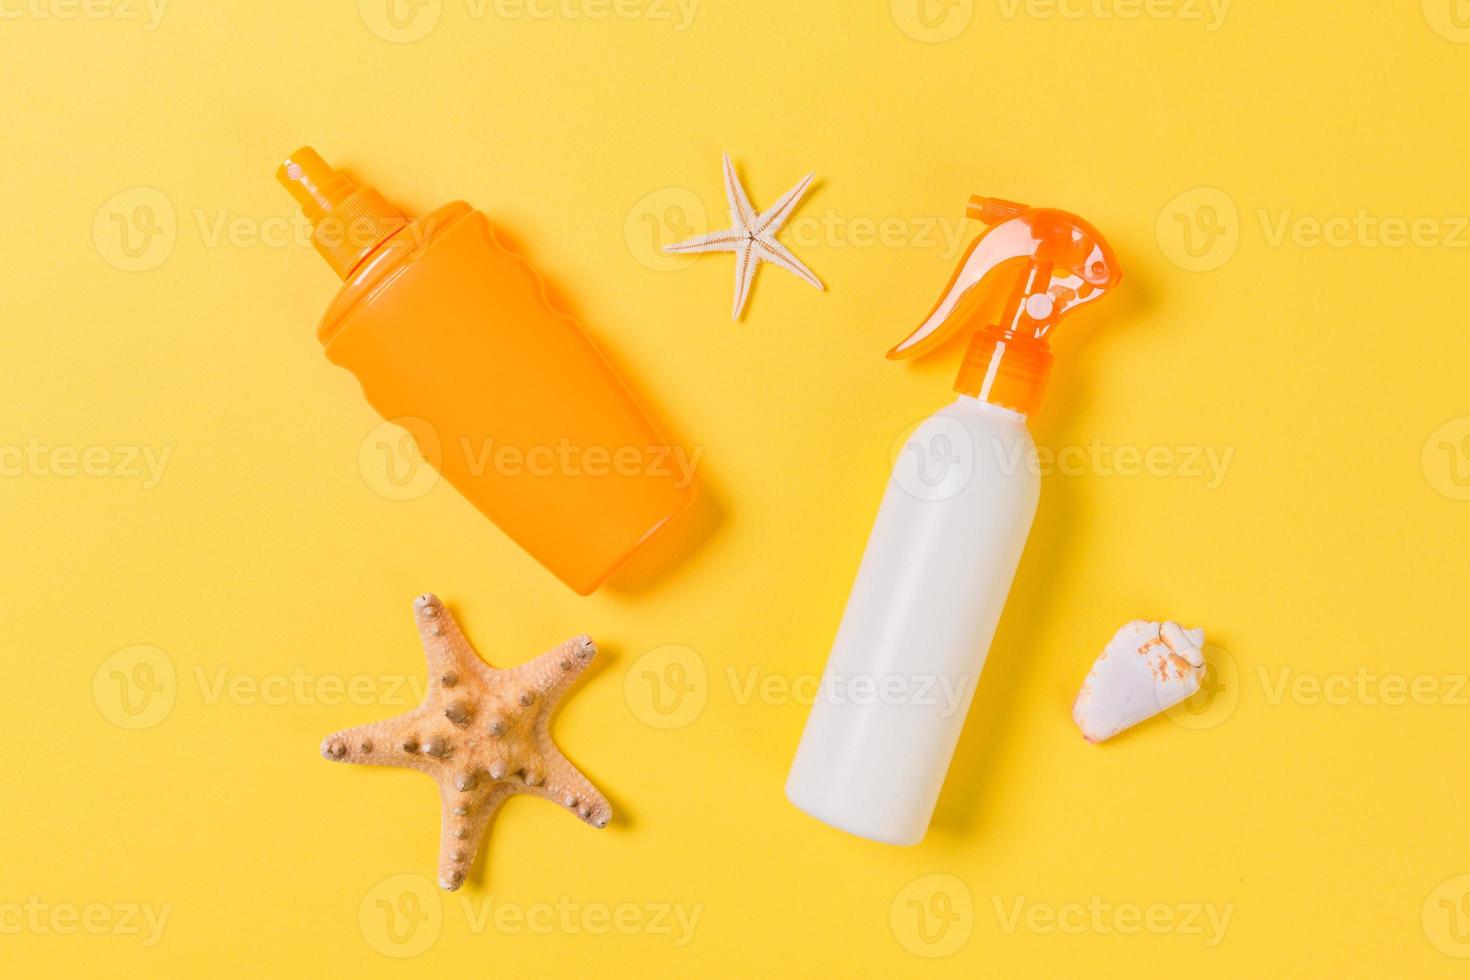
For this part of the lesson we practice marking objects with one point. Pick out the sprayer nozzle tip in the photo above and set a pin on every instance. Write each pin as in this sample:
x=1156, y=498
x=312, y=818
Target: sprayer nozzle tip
x=993, y=210
x=299, y=163
x=316, y=187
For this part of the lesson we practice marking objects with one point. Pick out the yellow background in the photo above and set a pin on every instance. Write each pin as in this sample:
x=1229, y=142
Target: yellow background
x=154, y=296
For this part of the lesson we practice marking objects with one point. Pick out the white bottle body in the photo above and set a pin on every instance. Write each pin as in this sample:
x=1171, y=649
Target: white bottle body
x=918, y=624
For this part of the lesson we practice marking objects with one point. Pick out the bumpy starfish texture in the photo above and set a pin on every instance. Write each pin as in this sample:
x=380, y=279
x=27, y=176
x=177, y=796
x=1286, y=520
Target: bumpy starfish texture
x=482, y=734
x=752, y=237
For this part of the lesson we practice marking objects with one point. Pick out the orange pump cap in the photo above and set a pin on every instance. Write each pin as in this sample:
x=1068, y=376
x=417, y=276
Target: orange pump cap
x=348, y=222
x=1057, y=262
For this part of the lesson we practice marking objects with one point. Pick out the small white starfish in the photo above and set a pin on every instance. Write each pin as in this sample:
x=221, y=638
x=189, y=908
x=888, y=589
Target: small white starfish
x=752, y=237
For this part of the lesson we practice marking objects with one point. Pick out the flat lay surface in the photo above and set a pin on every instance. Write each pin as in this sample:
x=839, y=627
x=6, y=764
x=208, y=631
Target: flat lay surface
x=214, y=544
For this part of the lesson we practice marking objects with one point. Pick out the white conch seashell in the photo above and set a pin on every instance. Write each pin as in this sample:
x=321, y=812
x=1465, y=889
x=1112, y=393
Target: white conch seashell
x=1145, y=669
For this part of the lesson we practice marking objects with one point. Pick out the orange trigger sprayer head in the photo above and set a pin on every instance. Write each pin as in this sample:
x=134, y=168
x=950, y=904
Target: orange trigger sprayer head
x=1058, y=262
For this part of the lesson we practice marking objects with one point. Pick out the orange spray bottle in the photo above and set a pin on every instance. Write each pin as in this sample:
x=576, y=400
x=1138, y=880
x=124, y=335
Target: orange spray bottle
x=452, y=336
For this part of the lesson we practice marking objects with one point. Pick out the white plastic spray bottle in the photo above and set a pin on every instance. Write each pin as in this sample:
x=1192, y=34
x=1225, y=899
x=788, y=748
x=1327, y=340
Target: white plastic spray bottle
x=949, y=534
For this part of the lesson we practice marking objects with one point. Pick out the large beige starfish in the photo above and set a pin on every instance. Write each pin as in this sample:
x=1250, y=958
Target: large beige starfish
x=481, y=733
x=752, y=237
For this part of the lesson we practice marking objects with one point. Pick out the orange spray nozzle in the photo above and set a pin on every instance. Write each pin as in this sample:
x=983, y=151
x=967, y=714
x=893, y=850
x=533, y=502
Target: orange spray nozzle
x=347, y=221
x=1056, y=262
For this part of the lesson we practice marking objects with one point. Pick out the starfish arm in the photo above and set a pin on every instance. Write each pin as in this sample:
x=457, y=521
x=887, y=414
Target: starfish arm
x=771, y=219
x=391, y=742
x=563, y=784
x=548, y=676
x=742, y=214
x=718, y=241
x=464, y=818
x=448, y=653
x=775, y=253
x=746, y=264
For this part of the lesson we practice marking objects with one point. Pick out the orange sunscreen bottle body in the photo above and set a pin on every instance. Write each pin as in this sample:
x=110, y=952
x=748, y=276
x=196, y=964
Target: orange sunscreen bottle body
x=452, y=336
